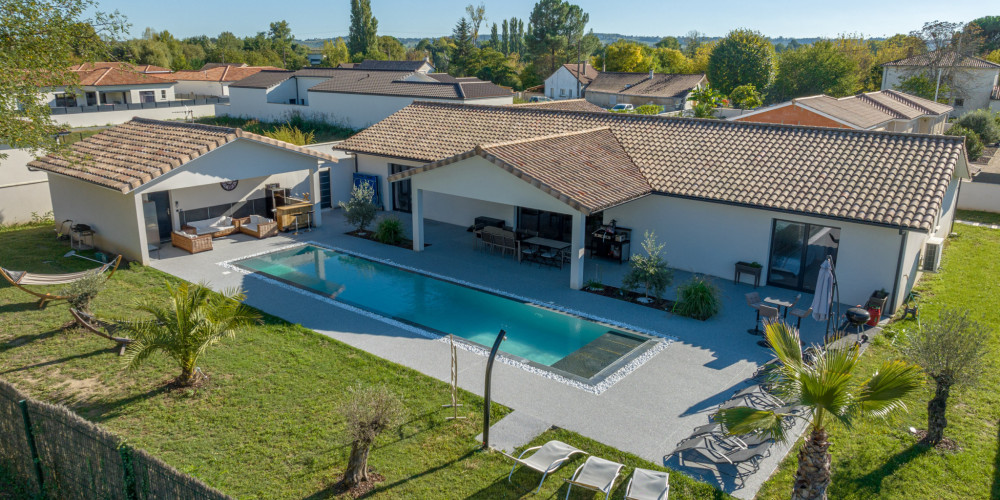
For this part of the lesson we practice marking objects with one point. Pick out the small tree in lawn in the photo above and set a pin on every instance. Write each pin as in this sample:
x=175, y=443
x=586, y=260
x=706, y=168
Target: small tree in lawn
x=369, y=412
x=83, y=291
x=360, y=210
x=649, y=271
x=194, y=319
x=951, y=350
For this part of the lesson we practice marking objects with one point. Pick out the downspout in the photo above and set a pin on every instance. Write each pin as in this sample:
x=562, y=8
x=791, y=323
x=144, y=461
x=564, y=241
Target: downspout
x=899, y=267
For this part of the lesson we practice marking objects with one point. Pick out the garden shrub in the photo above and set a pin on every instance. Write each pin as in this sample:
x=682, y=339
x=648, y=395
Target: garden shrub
x=983, y=123
x=389, y=230
x=973, y=144
x=649, y=271
x=359, y=210
x=648, y=109
x=83, y=291
x=698, y=299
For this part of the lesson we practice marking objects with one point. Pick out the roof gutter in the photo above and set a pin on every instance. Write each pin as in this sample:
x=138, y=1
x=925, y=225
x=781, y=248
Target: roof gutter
x=904, y=235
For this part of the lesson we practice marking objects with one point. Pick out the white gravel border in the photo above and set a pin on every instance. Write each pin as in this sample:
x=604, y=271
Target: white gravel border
x=603, y=385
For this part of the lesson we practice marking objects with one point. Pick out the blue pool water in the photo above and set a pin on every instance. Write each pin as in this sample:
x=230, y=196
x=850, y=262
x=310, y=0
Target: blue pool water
x=533, y=333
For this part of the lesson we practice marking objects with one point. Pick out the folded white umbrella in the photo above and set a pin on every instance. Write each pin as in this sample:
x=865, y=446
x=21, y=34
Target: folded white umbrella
x=824, y=292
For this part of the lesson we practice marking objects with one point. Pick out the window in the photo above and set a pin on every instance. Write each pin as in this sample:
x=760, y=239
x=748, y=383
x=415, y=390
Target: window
x=562, y=92
x=147, y=96
x=959, y=102
x=401, y=195
x=65, y=100
x=797, y=251
x=551, y=225
x=163, y=94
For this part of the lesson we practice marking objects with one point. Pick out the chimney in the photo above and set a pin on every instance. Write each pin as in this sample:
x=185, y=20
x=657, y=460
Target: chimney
x=650, y=73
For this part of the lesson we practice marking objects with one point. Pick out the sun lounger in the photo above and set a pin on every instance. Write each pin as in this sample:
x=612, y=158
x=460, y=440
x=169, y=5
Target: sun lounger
x=648, y=485
x=595, y=474
x=21, y=278
x=549, y=457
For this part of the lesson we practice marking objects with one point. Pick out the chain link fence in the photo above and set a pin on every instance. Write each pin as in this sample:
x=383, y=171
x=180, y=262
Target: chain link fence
x=53, y=453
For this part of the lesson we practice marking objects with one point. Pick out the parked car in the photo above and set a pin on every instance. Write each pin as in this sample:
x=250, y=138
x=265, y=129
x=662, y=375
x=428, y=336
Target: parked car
x=623, y=107
x=539, y=98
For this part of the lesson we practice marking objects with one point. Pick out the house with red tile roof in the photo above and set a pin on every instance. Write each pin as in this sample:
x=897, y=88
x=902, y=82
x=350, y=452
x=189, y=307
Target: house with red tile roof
x=883, y=110
x=213, y=80
x=106, y=83
x=715, y=192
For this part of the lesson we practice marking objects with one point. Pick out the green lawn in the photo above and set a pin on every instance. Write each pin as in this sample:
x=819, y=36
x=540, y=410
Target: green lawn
x=882, y=460
x=267, y=425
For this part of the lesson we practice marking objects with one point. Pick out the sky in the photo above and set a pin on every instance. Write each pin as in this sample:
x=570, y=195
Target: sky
x=433, y=18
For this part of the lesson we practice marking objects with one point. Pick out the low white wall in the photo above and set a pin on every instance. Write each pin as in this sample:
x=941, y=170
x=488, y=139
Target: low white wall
x=113, y=215
x=709, y=238
x=22, y=192
x=982, y=196
x=100, y=118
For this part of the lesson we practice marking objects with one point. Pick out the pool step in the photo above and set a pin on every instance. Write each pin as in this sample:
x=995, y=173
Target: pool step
x=597, y=355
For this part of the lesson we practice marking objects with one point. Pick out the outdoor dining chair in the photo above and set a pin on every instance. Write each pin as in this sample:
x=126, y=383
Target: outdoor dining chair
x=800, y=313
x=527, y=252
x=754, y=301
x=648, y=485
x=595, y=474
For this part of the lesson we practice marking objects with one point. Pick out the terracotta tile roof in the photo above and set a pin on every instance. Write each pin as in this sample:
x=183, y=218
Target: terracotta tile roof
x=948, y=59
x=589, y=73
x=142, y=68
x=221, y=73
x=136, y=152
x=565, y=104
x=874, y=108
x=640, y=84
x=588, y=169
x=889, y=179
x=406, y=83
x=111, y=76
x=263, y=79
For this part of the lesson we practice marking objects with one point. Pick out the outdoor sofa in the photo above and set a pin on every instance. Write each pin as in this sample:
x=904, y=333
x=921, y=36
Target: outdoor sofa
x=217, y=227
x=257, y=226
x=192, y=243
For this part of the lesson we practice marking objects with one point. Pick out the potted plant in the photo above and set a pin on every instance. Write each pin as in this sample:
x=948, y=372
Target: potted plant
x=649, y=271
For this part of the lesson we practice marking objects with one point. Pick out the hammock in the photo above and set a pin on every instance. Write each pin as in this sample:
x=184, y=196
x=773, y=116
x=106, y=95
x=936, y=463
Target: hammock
x=22, y=278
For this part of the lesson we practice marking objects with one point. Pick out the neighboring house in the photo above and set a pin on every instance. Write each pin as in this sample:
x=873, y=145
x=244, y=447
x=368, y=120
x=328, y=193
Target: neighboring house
x=148, y=69
x=351, y=97
x=315, y=58
x=137, y=182
x=667, y=90
x=564, y=105
x=424, y=66
x=213, y=81
x=568, y=82
x=113, y=83
x=884, y=110
x=972, y=80
x=24, y=193
x=714, y=192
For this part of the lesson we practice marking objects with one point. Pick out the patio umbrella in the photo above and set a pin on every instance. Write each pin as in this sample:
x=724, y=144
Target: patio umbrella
x=824, y=292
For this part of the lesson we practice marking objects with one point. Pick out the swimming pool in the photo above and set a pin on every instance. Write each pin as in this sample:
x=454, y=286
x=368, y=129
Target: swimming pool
x=564, y=343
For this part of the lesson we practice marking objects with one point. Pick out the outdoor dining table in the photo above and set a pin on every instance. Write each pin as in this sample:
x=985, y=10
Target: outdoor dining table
x=544, y=242
x=779, y=303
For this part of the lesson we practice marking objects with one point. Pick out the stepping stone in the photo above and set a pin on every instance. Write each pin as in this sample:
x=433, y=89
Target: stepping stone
x=515, y=430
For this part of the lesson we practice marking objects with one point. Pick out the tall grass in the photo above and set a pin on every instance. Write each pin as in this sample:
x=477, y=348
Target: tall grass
x=293, y=130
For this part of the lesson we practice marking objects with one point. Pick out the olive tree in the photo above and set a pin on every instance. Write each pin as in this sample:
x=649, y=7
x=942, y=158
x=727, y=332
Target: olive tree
x=359, y=210
x=369, y=412
x=952, y=351
x=649, y=271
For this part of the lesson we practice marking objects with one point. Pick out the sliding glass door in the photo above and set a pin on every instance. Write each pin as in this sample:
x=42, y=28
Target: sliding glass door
x=401, y=197
x=797, y=251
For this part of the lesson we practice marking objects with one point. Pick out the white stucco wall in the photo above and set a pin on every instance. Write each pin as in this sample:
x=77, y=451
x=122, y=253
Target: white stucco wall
x=709, y=238
x=561, y=85
x=22, y=192
x=971, y=84
x=100, y=118
x=113, y=215
x=982, y=196
x=201, y=88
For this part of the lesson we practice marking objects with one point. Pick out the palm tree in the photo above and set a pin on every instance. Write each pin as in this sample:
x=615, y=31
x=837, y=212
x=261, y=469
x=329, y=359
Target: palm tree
x=830, y=391
x=195, y=319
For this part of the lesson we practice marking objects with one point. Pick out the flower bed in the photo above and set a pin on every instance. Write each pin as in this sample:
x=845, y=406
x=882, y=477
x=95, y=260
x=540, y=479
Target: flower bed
x=629, y=296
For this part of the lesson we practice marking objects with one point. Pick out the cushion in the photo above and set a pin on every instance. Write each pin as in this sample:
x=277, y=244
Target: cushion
x=186, y=235
x=250, y=227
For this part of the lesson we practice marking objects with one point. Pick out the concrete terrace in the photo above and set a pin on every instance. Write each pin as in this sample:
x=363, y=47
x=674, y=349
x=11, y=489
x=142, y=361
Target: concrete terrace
x=646, y=413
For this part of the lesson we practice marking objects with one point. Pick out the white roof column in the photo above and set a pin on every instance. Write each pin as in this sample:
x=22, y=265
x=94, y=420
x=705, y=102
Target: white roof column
x=417, y=207
x=315, y=196
x=577, y=250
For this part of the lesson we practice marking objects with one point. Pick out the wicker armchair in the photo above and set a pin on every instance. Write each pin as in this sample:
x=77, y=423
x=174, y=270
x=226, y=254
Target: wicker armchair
x=257, y=226
x=190, y=242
